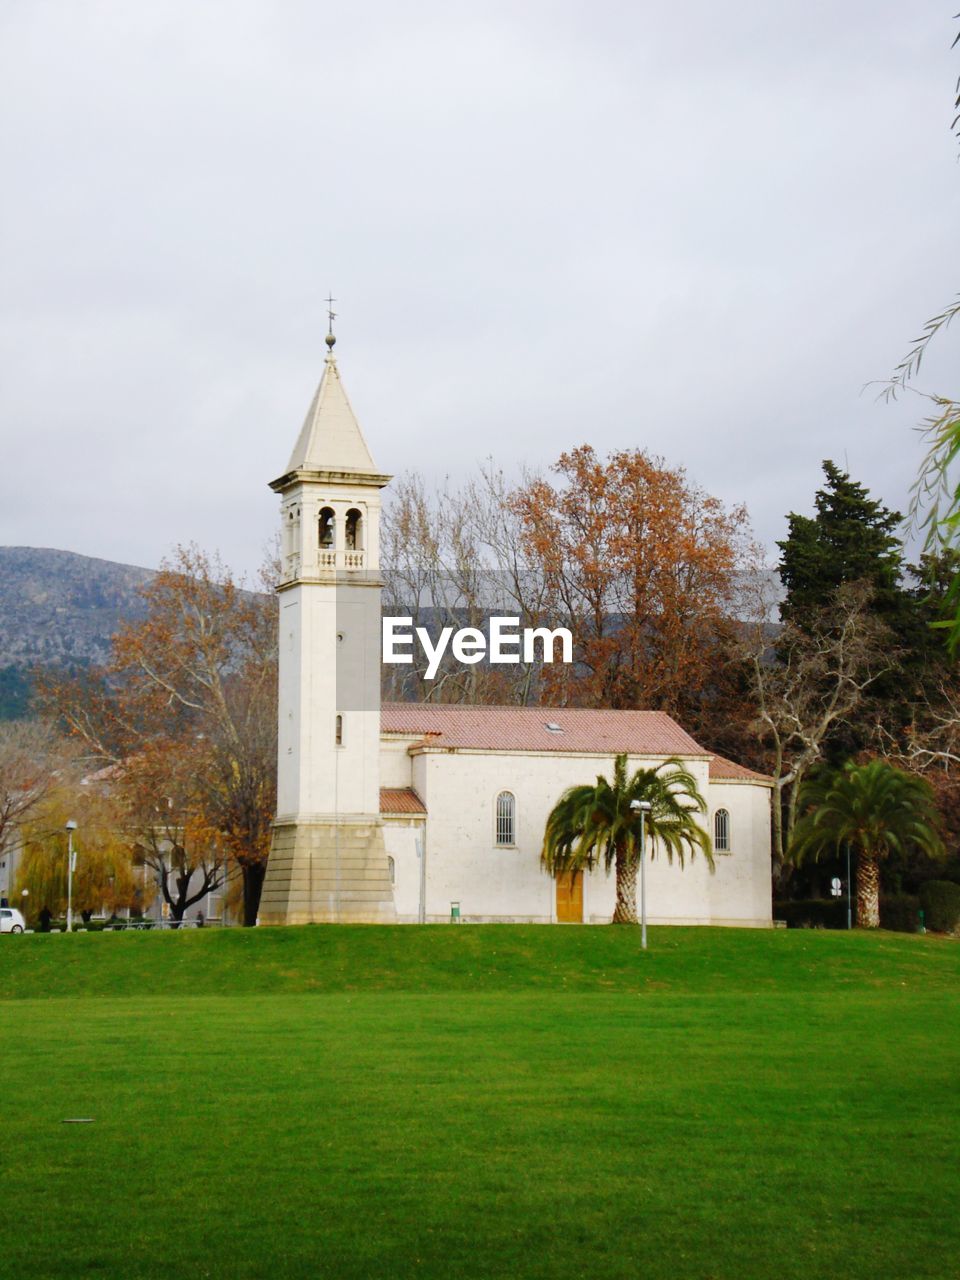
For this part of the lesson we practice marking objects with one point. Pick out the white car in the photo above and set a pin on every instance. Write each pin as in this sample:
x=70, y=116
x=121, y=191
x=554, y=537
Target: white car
x=11, y=921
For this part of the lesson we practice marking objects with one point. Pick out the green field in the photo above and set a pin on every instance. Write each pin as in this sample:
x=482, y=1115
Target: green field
x=481, y=1102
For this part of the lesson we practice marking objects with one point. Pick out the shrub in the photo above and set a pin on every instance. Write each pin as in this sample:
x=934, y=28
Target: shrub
x=813, y=913
x=900, y=912
x=940, y=900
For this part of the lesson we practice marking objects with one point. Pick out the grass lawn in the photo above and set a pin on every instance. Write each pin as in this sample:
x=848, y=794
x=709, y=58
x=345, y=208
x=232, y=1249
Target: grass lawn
x=500, y=1101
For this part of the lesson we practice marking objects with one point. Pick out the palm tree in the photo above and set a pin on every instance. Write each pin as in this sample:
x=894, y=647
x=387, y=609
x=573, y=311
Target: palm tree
x=879, y=809
x=593, y=823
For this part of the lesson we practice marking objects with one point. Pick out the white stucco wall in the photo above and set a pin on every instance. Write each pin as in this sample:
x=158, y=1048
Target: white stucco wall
x=396, y=766
x=465, y=865
x=742, y=883
x=400, y=840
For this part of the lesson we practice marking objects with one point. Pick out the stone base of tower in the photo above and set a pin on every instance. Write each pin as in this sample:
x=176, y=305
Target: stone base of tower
x=327, y=873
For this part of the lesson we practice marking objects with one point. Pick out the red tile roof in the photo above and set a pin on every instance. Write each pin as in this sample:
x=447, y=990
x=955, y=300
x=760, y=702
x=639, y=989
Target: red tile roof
x=724, y=770
x=401, y=800
x=642, y=733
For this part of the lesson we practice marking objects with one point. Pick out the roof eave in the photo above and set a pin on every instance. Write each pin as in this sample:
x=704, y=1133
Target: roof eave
x=602, y=753
x=351, y=478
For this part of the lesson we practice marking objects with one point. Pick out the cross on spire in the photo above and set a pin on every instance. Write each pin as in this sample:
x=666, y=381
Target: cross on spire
x=330, y=339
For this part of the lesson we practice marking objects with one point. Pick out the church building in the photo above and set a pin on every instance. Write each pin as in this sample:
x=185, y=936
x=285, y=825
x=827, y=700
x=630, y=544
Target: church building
x=407, y=812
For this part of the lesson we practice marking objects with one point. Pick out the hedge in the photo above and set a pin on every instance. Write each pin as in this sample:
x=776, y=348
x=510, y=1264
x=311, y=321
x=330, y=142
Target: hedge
x=813, y=913
x=940, y=900
x=93, y=926
x=900, y=912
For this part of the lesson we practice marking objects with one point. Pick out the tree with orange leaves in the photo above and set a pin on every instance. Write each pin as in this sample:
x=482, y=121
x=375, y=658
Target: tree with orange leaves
x=187, y=708
x=163, y=790
x=643, y=566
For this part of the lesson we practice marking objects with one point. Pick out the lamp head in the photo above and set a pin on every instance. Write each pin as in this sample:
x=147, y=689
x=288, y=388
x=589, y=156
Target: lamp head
x=70, y=825
x=641, y=806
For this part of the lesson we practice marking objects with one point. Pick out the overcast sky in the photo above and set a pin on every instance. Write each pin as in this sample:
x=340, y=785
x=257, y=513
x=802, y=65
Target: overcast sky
x=696, y=228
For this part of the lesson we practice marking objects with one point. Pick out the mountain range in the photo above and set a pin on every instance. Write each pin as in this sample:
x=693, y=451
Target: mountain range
x=58, y=608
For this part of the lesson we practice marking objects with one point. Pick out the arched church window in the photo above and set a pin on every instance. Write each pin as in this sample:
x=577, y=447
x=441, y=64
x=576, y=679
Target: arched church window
x=506, y=818
x=721, y=831
x=338, y=731
x=326, y=529
x=392, y=869
x=353, y=530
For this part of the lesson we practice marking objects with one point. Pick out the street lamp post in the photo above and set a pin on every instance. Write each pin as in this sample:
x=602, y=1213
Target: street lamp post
x=643, y=807
x=849, y=891
x=71, y=828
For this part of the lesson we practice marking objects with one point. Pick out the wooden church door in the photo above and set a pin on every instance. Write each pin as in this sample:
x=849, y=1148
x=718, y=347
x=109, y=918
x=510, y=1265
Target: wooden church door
x=570, y=898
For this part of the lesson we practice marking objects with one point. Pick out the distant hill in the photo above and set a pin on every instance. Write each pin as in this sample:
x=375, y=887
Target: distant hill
x=58, y=608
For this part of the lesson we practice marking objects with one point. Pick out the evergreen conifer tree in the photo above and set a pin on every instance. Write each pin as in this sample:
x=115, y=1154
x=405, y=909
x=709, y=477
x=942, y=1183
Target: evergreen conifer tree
x=852, y=538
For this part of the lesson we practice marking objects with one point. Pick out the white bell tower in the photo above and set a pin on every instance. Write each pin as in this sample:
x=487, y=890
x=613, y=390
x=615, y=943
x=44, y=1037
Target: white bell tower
x=327, y=860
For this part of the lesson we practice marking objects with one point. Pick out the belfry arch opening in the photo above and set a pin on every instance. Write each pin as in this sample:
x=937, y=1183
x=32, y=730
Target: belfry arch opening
x=353, y=530
x=327, y=528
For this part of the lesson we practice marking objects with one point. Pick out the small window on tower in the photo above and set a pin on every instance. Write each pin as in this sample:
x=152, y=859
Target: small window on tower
x=353, y=530
x=392, y=869
x=326, y=527
x=338, y=731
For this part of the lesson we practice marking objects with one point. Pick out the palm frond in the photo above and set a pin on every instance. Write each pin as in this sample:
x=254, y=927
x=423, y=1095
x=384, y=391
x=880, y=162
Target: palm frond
x=875, y=807
x=593, y=824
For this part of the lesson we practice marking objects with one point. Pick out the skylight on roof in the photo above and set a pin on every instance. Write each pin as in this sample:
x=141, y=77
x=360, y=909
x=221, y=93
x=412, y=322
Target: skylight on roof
x=552, y=728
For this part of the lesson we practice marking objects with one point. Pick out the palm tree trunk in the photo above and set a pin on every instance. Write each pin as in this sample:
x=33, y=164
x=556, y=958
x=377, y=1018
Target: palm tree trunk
x=626, y=908
x=868, y=891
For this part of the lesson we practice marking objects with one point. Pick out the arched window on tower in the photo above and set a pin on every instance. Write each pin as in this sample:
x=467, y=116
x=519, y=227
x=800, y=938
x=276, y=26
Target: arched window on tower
x=291, y=541
x=392, y=869
x=721, y=831
x=506, y=827
x=326, y=529
x=338, y=731
x=353, y=530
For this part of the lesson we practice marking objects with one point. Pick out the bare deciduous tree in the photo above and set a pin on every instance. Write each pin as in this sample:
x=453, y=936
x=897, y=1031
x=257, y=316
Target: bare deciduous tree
x=452, y=558
x=809, y=681
x=931, y=741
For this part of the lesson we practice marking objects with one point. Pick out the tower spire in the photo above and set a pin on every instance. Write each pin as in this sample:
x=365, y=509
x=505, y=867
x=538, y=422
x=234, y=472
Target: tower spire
x=330, y=339
x=330, y=438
